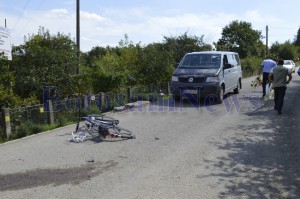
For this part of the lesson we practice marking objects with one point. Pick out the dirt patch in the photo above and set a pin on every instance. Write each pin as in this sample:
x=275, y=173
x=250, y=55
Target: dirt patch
x=55, y=177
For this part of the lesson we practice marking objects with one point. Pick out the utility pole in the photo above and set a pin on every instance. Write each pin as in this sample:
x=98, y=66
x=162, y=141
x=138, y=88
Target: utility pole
x=78, y=31
x=267, y=30
x=8, y=83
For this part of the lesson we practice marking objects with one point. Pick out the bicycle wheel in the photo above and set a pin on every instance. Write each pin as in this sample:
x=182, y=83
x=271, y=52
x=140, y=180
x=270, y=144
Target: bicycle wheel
x=118, y=133
x=79, y=134
x=82, y=130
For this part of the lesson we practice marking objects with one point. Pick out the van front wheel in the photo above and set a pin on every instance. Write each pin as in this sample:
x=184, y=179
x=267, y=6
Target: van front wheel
x=176, y=97
x=220, y=94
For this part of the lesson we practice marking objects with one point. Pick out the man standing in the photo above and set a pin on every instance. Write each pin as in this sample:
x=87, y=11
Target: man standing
x=267, y=65
x=278, y=76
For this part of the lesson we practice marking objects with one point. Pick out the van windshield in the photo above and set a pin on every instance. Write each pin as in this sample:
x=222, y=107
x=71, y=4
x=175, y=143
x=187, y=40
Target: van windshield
x=201, y=61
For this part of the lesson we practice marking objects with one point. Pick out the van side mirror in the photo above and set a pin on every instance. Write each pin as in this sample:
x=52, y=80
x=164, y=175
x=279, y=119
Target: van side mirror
x=176, y=65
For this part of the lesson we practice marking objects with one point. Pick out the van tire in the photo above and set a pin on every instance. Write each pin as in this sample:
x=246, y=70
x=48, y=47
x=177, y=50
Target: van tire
x=237, y=89
x=220, y=94
x=176, y=97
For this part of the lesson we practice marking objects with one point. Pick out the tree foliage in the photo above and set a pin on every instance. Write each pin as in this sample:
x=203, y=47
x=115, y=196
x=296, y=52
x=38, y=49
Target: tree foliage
x=286, y=50
x=105, y=74
x=6, y=83
x=297, y=38
x=241, y=38
x=155, y=65
x=128, y=65
x=183, y=44
x=251, y=65
x=111, y=69
x=44, y=60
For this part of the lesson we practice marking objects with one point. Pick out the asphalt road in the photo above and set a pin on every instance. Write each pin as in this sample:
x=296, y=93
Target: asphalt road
x=239, y=149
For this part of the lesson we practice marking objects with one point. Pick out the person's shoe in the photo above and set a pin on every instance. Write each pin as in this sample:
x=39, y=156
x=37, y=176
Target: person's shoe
x=279, y=112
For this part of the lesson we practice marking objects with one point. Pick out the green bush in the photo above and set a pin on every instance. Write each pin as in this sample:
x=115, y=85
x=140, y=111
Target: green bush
x=27, y=128
x=251, y=66
x=21, y=131
x=93, y=109
x=152, y=97
x=49, y=127
x=62, y=121
x=2, y=135
x=35, y=128
x=2, y=140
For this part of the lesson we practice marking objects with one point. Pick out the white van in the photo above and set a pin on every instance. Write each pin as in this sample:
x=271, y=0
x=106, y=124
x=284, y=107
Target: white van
x=207, y=73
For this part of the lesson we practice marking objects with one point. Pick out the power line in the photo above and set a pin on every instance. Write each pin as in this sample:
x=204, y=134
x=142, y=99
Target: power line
x=28, y=21
x=36, y=10
x=23, y=11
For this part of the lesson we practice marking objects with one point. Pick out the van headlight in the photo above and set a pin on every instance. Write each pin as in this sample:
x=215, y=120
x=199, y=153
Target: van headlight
x=212, y=79
x=175, y=78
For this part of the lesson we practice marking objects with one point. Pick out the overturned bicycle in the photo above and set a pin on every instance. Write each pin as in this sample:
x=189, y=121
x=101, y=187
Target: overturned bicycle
x=100, y=126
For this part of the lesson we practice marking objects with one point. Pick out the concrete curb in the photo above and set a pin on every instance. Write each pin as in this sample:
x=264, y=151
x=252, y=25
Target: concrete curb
x=130, y=106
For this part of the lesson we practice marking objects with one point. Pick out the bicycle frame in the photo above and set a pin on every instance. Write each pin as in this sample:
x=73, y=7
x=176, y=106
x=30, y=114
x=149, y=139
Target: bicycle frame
x=103, y=126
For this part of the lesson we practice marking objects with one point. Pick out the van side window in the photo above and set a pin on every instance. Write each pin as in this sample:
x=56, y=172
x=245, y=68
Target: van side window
x=225, y=60
x=237, y=59
x=231, y=60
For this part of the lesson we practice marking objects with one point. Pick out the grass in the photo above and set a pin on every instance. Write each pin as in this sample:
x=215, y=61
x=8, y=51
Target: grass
x=26, y=128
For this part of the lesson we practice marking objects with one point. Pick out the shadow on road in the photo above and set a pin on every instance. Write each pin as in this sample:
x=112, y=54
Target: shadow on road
x=263, y=159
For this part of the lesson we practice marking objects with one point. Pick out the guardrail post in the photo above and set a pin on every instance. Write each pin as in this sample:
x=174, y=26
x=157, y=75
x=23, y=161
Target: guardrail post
x=86, y=101
x=50, y=113
x=169, y=90
x=129, y=95
x=6, y=122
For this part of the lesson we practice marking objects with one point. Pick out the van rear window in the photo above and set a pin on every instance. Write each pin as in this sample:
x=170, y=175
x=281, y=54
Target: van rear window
x=201, y=61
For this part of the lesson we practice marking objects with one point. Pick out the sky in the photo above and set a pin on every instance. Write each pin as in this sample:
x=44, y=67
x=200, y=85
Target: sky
x=105, y=22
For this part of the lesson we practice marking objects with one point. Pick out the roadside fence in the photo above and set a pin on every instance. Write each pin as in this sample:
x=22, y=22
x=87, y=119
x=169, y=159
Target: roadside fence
x=23, y=121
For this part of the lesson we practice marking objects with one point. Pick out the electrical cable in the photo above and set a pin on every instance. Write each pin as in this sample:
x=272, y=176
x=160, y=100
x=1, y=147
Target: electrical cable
x=23, y=11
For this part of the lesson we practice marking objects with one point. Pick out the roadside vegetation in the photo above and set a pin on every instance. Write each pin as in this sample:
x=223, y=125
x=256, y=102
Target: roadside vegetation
x=46, y=59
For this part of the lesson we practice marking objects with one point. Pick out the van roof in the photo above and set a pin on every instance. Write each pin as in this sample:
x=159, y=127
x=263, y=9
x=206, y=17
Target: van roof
x=212, y=52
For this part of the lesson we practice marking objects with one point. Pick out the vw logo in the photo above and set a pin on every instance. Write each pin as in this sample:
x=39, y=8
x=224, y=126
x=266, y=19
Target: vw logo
x=191, y=79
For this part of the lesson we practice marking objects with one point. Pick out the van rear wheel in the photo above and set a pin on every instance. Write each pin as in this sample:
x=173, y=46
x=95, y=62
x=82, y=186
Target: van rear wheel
x=237, y=89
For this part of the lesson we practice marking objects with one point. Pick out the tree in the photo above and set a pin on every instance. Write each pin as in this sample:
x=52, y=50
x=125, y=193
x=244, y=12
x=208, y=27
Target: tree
x=129, y=64
x=95, y=53
x=155, y=65
x=241, y=38
x=286, y=50
x=6, y=82
x=183, y=44
x=129, y=60
x=114, y=68
x=297, y=38
x=105, y=74
x=45, y=59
